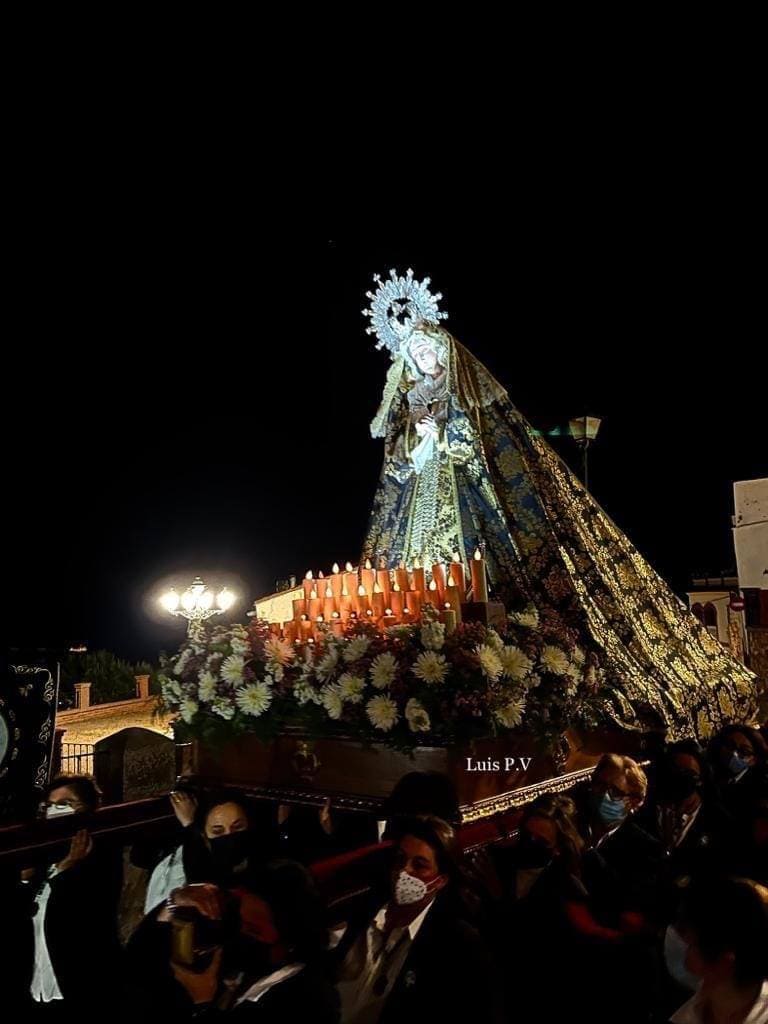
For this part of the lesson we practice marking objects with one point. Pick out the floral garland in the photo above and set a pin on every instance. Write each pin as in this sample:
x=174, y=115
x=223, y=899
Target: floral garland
x=408, y=686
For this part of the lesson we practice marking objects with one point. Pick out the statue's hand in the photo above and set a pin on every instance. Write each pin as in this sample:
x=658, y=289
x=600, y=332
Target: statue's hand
x=427, y=425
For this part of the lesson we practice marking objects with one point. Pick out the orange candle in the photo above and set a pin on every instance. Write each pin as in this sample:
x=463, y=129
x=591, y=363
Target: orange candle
x=457, y=576
x=438, y=577
x=337, y=581
x=448, y=616
x=388, y=619
x=453, y=600
x=329, y=602
x=377, y=601
x=433, y=594
x=368, y=576
x=363, y=604
x=479, y=579
x=290, y=629
x=305, y=628
x=345, y=602
x=315, y=604
x=337, y=626
x=350, y=579
x=383, y=583
x=401, y=578
x=309, y=584
x=419, y=580
x=299, y=607
x=412, y=605
x=396, y=601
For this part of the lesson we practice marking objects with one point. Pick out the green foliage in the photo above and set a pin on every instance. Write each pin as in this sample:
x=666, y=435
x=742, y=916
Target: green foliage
x=111, y=678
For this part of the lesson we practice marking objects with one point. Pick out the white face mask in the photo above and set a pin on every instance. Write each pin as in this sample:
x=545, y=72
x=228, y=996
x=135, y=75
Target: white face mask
x=409, y=889
x=58, y=810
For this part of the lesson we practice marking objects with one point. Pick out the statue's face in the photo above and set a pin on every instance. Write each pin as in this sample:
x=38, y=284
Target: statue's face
x=424, y=354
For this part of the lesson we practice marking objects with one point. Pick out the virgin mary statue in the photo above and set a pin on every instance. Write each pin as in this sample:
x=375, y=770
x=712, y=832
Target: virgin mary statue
x=463, y=467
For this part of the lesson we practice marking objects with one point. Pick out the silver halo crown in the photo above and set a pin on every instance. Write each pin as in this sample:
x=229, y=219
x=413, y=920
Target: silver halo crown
x=396, y=307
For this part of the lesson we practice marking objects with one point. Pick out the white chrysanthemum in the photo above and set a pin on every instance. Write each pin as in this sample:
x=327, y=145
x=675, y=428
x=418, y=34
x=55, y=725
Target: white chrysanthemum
x=232, y=669
x=515, y=663
x=327, y=664
x=238, y=645
x=490, y=662
x=382, y=712
x=494, y=640
x=255, y=698
x=417, y=716
x=572, y=686
x=206, y=690
x=511, y=713
x=304, y=692
x=224, y=708
x=555, y=660
x=356, y=648
x=529, y=618
x=431, y=667
x=171, y=689
x=578, y=656
x=279, y=651
x=331, y=700
x=575, y=672
x=433, y=635
x=188, y=709
x=383, y=670
x=351, y=688
x=181, y=662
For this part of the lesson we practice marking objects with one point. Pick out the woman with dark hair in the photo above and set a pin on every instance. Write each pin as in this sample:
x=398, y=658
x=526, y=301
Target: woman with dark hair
x=218, y=842
x=739, y=760
x=724, y=932
x=415, y=957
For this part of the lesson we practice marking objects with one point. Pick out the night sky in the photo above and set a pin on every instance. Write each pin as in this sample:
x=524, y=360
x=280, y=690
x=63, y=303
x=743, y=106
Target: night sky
x=202, y=399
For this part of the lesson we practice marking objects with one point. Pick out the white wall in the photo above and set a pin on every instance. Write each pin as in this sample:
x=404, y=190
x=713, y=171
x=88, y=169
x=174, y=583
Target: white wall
x=750, y=532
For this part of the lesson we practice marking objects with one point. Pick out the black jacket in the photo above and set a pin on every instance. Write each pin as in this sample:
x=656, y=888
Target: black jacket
x=448, y=974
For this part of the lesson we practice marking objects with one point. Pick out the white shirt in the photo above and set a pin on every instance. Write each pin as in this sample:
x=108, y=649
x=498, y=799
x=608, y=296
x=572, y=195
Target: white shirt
x=374, y=955
x=168, y=875
x=690, y=1012
x=257, y=990
x=44, y=987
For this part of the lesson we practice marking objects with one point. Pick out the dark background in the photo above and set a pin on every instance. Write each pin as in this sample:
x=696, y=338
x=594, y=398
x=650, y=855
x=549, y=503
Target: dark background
x=192, y=394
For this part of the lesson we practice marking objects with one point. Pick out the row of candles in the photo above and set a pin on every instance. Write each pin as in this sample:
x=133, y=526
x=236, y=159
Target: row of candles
x=382, y=596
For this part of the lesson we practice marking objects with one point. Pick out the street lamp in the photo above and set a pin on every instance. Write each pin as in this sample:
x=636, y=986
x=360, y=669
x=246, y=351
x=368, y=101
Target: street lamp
x=197, y=604
x=583, y=430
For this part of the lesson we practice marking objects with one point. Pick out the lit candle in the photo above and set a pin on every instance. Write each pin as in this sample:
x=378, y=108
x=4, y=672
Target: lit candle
x=383, y=581
x=433, y=594
x=329, y=602
x=448, y=616
x=337, y=581
x=350, y=579
x=378, y=603
x=438, y=577
x=309, y=584
x=453, y=600
x=412, y=604
x=457, y=576
x=315, y=604
x=337, y=626
x=290, y=629
x=401, y=577
x=419, y=579
x=363, y=604
x=299, y=607
x=367, y=576
x=305, y=628
x=389, y=619
x=345, y=602
x=396, y=601
x=479, y=581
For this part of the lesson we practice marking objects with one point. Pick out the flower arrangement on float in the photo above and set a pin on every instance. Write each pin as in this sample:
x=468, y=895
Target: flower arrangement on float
x=405, y=686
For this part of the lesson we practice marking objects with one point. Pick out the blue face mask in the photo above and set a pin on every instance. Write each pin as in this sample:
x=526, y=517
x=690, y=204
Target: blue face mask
x=675, y=952
x=737, y=764
x=611, y=811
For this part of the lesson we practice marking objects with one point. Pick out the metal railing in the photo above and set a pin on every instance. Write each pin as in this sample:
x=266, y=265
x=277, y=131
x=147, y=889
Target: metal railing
x=76, y=759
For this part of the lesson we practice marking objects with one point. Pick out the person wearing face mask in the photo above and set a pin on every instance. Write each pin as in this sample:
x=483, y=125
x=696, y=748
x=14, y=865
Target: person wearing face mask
x=70, y=944
x=739, y=762
x=415, y=957
x=218, y=841
x=723, y=946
